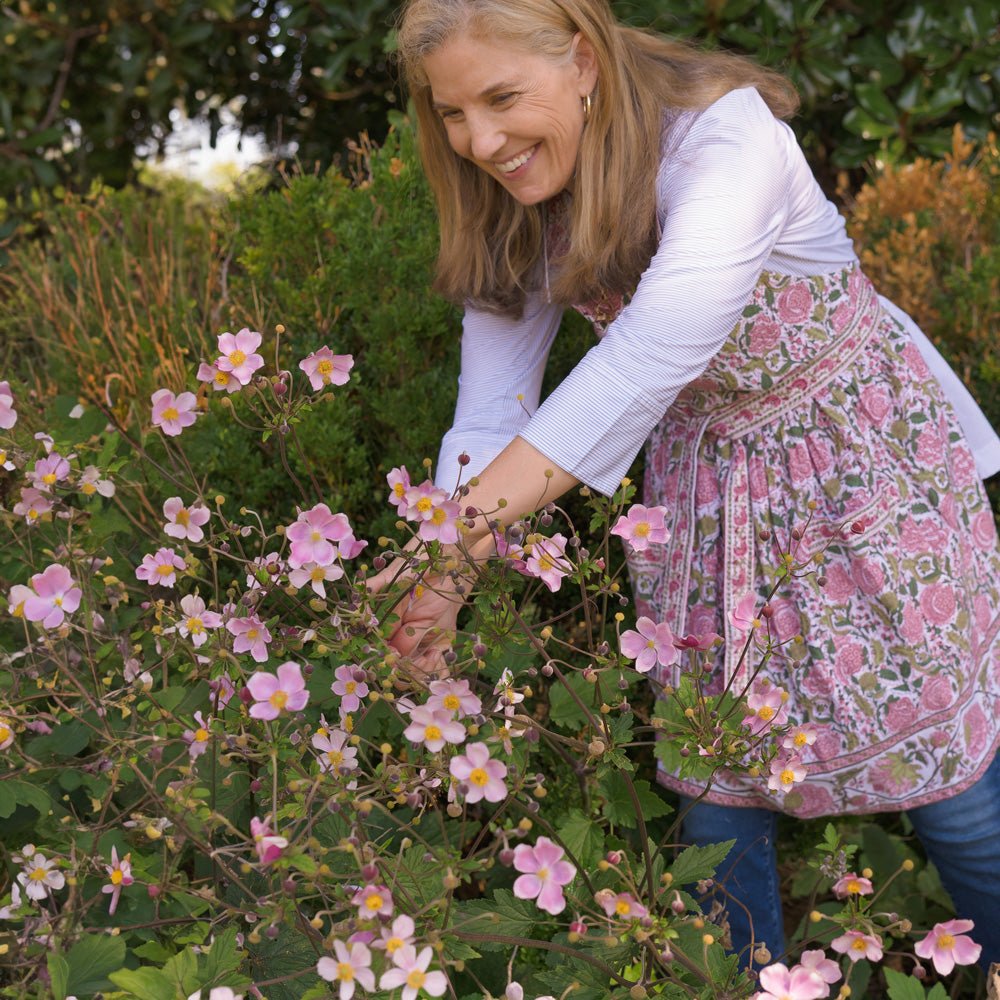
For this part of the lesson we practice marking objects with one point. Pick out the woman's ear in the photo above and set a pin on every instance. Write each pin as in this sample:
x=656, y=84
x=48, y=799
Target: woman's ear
x=585, y=61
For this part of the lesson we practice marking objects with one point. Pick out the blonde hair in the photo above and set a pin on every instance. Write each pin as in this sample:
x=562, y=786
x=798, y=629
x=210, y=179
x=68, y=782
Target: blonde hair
x=490, y=243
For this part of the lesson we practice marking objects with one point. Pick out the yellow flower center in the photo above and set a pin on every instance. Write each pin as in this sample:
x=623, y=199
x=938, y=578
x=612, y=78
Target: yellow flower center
x=170, y=413
x=859, y=944
x=641, y=530
x=195, y=626
x=252, y=634
x=318, y=574
x=650, y=644
x=57, y=601
x=183, y=517
x=542, y=874
x=350, y=686
x=165, y=569
x=393, y=944
x=765, y=712
x=88, y=489
x=478, y=777
x=399, y=489
x=237, y=358
x=788, y=776
x=545, y=561
x=374, y=902
x=279, y=699
x=334, y=757
x=854, y=886
x=33, y=514
x=221, y=378
x=49, y=478
x=200, y=735
x=5, y=733
x=345, y=972
x=39, y=875
x=416, y=979
x=432, y=733
x=623, y=907
x=800, y=739
x=452, y=703
x=116, y=877
x=424, y=504
x=325, y=367
x=946, y=941
x=439, y=516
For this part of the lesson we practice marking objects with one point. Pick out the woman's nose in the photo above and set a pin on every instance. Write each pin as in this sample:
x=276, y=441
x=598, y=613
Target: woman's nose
x=485, y=139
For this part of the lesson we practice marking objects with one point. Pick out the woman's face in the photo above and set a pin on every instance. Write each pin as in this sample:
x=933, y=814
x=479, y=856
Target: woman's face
x=516, y=115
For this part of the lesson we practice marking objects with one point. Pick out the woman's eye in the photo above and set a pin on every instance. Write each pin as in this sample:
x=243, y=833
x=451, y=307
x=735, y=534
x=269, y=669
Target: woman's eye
x=503, y=98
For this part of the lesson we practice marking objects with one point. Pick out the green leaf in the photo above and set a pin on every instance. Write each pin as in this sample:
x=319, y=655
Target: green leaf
x=58, y=975
x=903, y=987
x=182, y=972
x=618, y=807
x=222, y=958
x=582, y=837
x=504, y=914
x=64, y=741
x=91, y=961
x=937, y=992
x=144, y=984
x=563, y=708
x=15, y=793
x=696, y=863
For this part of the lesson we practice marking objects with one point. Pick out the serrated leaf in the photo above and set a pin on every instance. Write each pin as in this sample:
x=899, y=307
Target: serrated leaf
x=504, y=914
x=582, y=837
x=144, y=984
x=618, y=807
x=695, y=863
x=902, y=987
x=91, y=961
x=15, y=793
x=64, y=741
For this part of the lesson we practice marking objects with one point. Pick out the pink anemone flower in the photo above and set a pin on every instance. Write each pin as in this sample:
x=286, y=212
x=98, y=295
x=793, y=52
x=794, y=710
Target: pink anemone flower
x=545, y=874
x=273, y=694
x=54, y=595
x=947, y=945
x=649, y=643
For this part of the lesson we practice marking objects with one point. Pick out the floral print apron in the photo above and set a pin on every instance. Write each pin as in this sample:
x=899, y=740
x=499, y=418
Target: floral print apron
x=818, y=395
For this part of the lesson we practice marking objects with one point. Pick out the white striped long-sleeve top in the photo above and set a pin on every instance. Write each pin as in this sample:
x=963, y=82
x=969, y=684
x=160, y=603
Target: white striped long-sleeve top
x=735, y=197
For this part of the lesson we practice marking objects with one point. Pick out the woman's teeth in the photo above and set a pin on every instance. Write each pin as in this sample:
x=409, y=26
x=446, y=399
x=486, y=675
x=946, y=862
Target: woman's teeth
x=511, y=165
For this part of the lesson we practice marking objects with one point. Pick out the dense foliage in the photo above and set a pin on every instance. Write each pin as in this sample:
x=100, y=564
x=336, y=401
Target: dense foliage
x=83, y=86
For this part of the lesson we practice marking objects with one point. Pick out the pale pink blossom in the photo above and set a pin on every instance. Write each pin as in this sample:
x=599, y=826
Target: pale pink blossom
x=237, y=354
x=433, y=728
x=316, y=576
x=323, y=368
x=221, y=380
x=8, y=415
x=768, y=707
x=274, y=694
x=411, y=973
x=642, y=526
x=39, y=876
x=197, y=739
x=857, y=945
x=620, y=905
x=336, y=754
x=421, y=500
x=120, y=877
x=313, y=534
x=649, y=643
x=268, y=845
x=852, y=885
x=545, y=874
x=786, y=772
x=396, y=936
x=263, y=569
x=454, y=696
x=48, y=471
x=17, y=598
x=778, y=982
x=216, y=993
x=797, y=737
x=947, y=945
x=816, y=962
x=91, y=483
x=373, y=901
x=196, y=620
x=509, y=695
x=185, y=522
x=442, y=525
x=33, y=505
x=482, y=777
x=743, y=617
x=350, y=687
x=173, y=413
x=399, y=483
x=350, y=968
x=548, y=561
x=222, y=689
x=54, y=594
x=251, y=636
x=161, y=567
x=5, y=462
x=6, y=732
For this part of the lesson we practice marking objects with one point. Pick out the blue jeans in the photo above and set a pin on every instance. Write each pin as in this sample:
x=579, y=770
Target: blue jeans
x=960, y=835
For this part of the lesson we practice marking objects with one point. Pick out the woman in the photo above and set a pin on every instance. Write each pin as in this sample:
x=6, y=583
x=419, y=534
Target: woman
x=657, y=190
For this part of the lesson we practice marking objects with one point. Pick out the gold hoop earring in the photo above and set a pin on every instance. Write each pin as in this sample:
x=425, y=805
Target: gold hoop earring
x=588, y=105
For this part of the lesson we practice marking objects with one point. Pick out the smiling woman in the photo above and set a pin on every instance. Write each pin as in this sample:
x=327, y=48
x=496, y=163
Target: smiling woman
x=657, y=190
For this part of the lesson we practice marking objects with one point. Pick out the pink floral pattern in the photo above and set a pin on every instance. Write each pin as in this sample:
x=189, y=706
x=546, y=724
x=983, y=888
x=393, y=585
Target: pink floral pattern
x=899, y=664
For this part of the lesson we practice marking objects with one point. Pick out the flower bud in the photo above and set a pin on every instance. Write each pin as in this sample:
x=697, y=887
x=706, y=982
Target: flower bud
x=256, y=785
x=369, y=872
x=464, y=459
x=506, y=856
x=578, y=927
